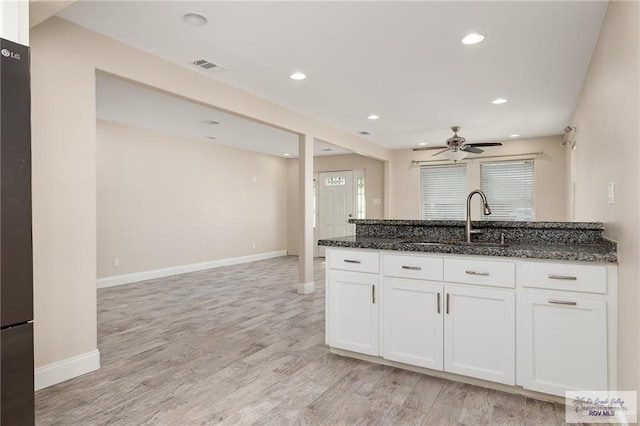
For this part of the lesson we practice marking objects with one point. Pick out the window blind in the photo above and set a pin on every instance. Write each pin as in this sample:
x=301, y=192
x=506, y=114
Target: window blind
x=443, y=191
x=509, y=189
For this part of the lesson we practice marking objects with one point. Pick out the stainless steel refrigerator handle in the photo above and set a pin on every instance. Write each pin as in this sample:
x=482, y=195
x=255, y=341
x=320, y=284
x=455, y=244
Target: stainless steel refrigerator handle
x=438, y=306
x=351, y=261
x=413, y=268
x=373, y=293
x=447, y=303
x=562, y=277
x=562, y=302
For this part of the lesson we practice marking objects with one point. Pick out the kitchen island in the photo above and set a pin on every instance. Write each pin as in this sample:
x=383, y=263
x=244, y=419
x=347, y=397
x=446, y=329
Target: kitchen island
x=527, y=307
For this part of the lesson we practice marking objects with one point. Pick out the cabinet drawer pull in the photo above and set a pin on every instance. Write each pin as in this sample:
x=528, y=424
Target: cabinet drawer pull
x=351, y=261
x=373, y=294
x=413, y=268
x=562, y=277
x=447, y=303
x=562, y=302
x=438, y=306
x=468, y=272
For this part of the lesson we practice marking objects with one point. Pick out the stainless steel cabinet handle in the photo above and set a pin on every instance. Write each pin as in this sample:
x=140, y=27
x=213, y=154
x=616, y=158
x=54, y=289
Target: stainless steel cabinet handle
x=562, y=302
x=438, y=305
x=351, y=261
x=476, y=273
x=562, y=277
x=413, y=268
x=373, y=293
x=447, y=303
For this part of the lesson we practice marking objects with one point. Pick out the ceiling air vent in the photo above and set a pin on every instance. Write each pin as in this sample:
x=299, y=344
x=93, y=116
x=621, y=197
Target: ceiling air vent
x=209, y=122
x=364, y=133
x=207, y=65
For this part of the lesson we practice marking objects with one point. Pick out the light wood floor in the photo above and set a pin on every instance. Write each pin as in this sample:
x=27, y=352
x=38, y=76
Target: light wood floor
x=238, y=345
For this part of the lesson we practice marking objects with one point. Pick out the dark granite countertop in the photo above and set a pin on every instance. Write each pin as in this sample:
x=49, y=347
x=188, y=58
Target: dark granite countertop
x=596, y=226
x=602, y=251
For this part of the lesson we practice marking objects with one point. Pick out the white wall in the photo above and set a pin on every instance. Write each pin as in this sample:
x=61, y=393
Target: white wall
x=65, y=58
x=608, y=150
x=374, y=187
x=165, y=201
x=549, y=174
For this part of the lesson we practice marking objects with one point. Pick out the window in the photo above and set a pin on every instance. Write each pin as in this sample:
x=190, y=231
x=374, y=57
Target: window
x=361, y=202
x=443, y=191
x=336, y=181
x=509, y=189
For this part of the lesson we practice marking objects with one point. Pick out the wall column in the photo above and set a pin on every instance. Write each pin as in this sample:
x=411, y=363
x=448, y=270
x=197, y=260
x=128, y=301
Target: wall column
x=14, y=21
x=305, y=207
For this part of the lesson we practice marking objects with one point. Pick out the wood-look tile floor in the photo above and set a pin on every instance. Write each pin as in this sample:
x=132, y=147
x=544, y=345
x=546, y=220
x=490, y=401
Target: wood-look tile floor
x=238, y=345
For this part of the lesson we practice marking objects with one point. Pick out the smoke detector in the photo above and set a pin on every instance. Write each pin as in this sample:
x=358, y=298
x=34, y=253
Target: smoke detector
x=207, y=65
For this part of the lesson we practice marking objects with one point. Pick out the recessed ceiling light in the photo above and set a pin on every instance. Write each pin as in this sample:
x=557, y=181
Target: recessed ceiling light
x=195, y=19
x=327, y=149
x=373, y=117
x=286, y=154
x=422, y=144
x=515, y=135
x=297, y=76
x=498, y=101
x=472, y=38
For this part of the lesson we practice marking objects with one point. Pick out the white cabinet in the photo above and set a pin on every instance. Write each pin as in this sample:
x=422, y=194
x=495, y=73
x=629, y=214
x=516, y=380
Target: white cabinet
x=462, y=329
x=479, y=333
x=353, y=313
x=564, y=343
x=457, y=314
x=412, y=322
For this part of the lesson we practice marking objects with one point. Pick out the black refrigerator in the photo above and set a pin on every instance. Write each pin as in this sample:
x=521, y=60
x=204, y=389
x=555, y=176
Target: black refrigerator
x=16, y=258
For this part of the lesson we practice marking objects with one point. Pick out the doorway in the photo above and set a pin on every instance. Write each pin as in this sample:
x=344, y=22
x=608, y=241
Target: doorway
x=336, y=204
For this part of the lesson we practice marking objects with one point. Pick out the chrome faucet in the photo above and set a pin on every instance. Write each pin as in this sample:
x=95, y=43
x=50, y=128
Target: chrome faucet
x=468, y=230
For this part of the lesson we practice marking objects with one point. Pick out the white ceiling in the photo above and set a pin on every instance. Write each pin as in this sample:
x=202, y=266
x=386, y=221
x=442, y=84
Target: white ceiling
x=400, y=60
x=134, y=105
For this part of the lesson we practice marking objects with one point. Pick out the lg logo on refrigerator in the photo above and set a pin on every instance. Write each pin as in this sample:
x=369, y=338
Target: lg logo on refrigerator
x=8, y=54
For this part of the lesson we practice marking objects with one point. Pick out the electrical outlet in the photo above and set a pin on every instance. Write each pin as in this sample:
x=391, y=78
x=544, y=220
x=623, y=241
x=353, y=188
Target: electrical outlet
x=611, y=193
x=116, y=262
x=253, y=245
x=254, y=179
x=376, y=201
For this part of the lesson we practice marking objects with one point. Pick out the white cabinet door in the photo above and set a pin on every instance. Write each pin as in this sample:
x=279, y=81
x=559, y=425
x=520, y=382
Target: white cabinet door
x=564, y=343
x=412, y=322
x=353, y=311
x=479, y=330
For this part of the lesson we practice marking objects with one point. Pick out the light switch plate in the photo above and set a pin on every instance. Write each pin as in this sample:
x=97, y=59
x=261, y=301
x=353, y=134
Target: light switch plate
x=611, y=193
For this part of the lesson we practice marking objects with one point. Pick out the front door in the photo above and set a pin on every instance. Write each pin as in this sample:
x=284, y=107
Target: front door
x=335, y=205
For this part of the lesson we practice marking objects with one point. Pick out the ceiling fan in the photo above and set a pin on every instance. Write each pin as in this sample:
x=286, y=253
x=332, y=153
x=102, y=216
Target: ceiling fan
x=456, y=148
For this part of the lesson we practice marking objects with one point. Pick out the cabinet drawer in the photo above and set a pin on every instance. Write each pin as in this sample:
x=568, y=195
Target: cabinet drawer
x=354, y=260
x=425, y=268
x=562, y=276
x=482, y=272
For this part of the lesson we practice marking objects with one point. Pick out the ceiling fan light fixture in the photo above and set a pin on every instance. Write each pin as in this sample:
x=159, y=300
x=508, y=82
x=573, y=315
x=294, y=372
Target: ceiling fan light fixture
x=473, y=38
x=422, y=144
x=455, y=155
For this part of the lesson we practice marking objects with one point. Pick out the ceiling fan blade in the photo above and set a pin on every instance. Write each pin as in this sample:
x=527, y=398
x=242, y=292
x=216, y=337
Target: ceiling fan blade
x=485, y=144
x=426, y=148
x=440, y=152
x=472, y=149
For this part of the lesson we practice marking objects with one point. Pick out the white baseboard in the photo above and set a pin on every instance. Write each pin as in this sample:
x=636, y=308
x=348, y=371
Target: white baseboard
x=306, y=288
x=66, y=369
x=183, y=269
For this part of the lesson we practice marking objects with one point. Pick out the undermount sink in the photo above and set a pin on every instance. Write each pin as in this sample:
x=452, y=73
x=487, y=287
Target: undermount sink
x=457, y=243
